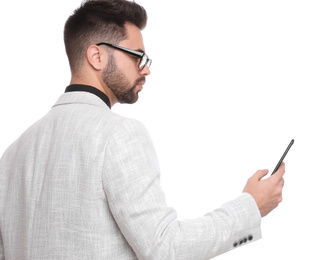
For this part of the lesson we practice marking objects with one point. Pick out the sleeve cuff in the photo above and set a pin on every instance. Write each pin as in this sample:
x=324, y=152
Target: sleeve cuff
x=249, y=229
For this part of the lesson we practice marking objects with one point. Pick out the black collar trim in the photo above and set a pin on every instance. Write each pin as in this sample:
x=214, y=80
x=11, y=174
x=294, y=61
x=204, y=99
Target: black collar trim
x=90, y=89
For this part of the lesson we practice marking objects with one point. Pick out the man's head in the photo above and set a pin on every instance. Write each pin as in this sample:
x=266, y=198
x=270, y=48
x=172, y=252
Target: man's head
x=116, y=22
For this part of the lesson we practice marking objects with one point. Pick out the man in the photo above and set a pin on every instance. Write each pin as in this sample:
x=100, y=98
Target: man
x=83, y=182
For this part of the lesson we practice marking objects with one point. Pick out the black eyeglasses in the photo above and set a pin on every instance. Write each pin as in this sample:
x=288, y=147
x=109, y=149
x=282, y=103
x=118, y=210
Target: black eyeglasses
x=144, y=60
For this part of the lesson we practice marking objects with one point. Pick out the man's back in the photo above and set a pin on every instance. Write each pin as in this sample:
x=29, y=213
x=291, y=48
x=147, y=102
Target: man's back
x=53, y=205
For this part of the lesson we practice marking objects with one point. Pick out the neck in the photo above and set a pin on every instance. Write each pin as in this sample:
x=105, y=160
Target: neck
x=95, y=84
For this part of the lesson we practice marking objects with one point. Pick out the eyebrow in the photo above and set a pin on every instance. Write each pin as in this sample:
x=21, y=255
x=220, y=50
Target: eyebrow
x=140, y=50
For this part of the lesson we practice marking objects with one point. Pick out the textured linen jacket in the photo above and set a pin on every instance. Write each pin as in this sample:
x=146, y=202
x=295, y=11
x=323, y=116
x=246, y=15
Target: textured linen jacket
x=83, y=183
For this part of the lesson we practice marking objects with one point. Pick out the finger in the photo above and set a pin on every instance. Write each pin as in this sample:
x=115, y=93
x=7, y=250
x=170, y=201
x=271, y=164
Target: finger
x=280, y=172
x=282, y=182
x=260, y=174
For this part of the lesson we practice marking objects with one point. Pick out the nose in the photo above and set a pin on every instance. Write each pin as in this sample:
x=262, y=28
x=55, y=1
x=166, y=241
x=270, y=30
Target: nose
x=145, y=71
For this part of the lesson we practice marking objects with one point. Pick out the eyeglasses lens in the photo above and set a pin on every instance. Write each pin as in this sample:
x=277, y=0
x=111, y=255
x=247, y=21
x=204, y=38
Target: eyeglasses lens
x=145, y=62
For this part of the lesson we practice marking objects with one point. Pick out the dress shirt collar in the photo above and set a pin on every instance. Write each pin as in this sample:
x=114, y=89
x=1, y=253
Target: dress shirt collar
x=89, y=89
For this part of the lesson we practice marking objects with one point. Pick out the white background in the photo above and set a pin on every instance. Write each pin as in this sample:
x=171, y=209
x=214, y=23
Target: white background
x=232, y=83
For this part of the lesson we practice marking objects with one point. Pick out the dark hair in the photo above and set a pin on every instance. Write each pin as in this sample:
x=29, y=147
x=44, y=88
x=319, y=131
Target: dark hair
x=99, y=21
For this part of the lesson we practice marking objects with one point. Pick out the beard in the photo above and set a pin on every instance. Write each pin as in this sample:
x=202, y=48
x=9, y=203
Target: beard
x=115, y=80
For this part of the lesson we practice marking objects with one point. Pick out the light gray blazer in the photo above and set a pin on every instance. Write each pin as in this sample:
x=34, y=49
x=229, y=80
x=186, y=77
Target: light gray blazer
x=83, y=183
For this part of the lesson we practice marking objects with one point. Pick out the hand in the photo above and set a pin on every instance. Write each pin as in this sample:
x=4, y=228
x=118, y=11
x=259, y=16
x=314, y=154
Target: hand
x=268, y=192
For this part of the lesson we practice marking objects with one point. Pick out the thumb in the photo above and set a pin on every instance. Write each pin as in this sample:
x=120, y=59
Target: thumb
x=260, y=174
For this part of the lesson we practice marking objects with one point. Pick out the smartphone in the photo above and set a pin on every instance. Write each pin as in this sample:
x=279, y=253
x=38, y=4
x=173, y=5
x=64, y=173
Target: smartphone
x=283, y=156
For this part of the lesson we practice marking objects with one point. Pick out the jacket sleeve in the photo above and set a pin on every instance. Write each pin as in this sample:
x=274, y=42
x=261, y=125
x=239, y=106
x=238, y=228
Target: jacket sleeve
x=136, y=200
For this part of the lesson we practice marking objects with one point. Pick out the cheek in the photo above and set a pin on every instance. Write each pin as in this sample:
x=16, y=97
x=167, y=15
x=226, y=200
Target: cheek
x=128, y=66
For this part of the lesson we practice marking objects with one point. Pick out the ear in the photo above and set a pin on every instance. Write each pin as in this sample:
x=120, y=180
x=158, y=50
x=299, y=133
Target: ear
x=95, y=57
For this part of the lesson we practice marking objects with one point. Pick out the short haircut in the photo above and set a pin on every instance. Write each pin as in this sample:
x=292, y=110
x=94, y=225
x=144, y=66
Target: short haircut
x=99, y=21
